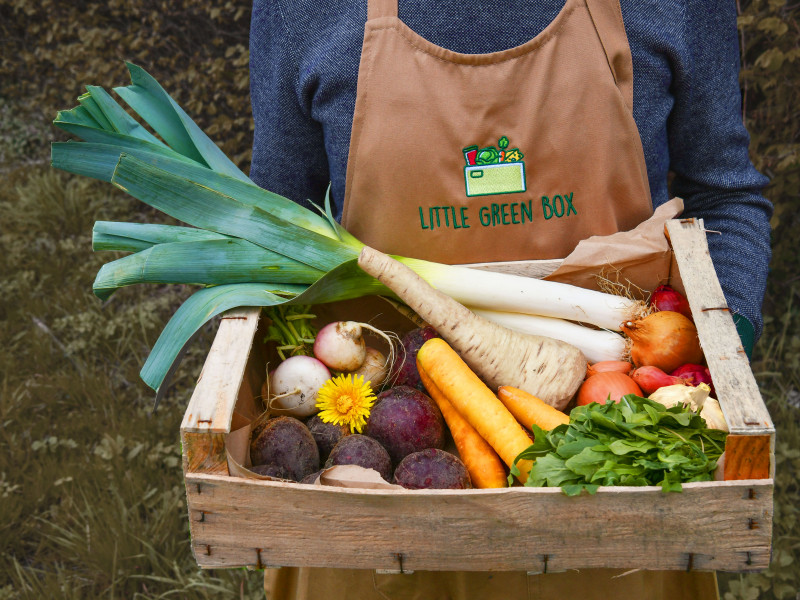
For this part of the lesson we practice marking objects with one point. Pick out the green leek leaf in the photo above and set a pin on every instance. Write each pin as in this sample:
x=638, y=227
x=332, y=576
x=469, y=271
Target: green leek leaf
x=342, y=283
x=157, y=108
x=121, y=121
x=120, y=236
x=206, y=262
x=209, y=209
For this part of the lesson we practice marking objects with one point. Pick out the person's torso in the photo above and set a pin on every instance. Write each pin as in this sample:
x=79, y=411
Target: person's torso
x=509, y=155
x=328, y=45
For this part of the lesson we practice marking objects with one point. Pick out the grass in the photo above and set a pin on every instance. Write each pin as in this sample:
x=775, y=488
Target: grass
x=92, y=503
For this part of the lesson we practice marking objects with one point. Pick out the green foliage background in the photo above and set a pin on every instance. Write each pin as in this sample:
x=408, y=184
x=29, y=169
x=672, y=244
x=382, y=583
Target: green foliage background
x=91, y=494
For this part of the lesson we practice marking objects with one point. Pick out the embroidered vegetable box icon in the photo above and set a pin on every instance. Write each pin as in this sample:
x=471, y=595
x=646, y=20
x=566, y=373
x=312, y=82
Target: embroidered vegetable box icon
x=494, y=171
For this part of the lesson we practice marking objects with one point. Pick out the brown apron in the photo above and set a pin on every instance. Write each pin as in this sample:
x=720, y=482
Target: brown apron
x=512, y=155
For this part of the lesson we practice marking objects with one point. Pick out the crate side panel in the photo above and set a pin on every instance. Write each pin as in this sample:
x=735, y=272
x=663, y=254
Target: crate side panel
x=214, y=398
x=719, y=525
x=736, y=387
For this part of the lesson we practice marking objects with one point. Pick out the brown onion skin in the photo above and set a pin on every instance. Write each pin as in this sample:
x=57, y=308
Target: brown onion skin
x=620, y=366
x=664, y=339
x=606, y=386
x=666, y=298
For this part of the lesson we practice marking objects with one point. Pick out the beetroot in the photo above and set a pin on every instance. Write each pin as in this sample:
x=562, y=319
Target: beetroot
x=405, y=371
x=405, y=420
x=270, y=471
x=432, y=469
x=327, y=435
x=285, y=442
x=363, y=451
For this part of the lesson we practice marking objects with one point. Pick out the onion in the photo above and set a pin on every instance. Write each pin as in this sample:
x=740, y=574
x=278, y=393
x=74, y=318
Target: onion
x=651, y=378
x=620, y=366
x=608, y=385
x=694, y=375
x=375, y=368
x=664, y=339
x=666, y=298
x=295, y=383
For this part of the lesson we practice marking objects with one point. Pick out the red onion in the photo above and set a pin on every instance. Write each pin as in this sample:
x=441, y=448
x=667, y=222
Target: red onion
x=666, y=298
x=694, y=375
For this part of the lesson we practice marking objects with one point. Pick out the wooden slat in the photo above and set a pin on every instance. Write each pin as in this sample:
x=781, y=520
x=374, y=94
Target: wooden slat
x=212, y=404
x=710, y=525
x=748, y=457
x=204, y=453
x=737, y=390
x=538, y=269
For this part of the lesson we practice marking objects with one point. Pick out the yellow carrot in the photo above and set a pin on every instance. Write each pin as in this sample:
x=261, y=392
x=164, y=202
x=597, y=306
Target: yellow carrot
x=475, y=402
x=485, y=468
x=530, y=410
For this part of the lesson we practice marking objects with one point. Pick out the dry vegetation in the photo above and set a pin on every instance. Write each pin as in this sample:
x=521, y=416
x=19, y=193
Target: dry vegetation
x=91, y=495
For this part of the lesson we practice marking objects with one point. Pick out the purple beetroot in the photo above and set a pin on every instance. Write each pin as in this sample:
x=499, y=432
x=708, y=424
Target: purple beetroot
x=405, y=420
x=405, y=372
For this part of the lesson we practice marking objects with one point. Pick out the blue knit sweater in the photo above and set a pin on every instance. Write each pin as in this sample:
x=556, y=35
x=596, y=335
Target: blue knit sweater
x=304, y=59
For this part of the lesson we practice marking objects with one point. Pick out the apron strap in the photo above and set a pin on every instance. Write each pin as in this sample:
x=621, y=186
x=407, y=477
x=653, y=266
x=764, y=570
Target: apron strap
x=607, y=18
x=381, y=8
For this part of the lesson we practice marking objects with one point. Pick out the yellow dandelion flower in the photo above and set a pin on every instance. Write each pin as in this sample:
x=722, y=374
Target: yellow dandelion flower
x=346, y=400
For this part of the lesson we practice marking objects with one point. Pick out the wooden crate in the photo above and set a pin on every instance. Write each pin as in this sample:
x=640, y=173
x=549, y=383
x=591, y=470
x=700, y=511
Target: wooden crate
x=720, y=525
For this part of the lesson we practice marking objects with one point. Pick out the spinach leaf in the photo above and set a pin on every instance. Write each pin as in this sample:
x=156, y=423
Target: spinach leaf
x=635, y=442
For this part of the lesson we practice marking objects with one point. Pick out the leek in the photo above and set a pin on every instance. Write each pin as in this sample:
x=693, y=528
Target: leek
x=253, y=247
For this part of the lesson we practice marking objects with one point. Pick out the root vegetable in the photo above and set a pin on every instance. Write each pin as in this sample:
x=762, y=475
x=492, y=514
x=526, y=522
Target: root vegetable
x=340, y=346
x=327, y=435
x=405, y=420
x=294, y=386
x=363, y=451
x=663, y=339
x=405, y=371
x=621, y=366
x=607, y=387
x=666, y=298
x=432, y=469
x=549, y=369
x=651, y=378
x=475, y=402
x=270, y=471
x=485, y=468
x=287, y=443
x=374, y=369
x=530, y=410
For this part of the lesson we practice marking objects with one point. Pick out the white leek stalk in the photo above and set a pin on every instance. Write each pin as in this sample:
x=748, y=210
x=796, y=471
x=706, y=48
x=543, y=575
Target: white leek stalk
x=596, y=344
x=488, y=290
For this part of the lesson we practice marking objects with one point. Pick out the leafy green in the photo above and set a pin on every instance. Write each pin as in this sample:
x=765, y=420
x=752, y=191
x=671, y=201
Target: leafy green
x=636, y=442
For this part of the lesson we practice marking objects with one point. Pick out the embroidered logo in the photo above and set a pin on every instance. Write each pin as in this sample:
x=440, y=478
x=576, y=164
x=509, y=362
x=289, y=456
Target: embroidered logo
x=493, y=170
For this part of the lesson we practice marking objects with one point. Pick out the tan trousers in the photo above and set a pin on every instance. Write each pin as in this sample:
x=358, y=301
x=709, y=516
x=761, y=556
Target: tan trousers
x=591, y=584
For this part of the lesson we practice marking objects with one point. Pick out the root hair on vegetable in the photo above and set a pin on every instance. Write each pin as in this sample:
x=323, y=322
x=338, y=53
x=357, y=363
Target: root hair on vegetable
x=610, y=281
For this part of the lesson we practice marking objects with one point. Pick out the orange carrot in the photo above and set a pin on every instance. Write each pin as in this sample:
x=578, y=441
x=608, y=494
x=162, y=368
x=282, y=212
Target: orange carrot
x=475, y=402
x=545, y=367
x=485, y=468
x=530, y=410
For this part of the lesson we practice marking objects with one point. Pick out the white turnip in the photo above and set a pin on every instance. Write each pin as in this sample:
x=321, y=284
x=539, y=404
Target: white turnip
x=294, y=386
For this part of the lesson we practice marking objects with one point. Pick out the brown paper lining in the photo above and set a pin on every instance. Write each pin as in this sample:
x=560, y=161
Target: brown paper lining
x=641, y=256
